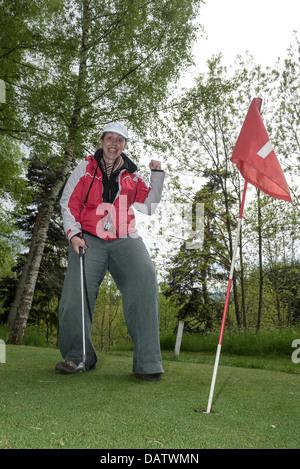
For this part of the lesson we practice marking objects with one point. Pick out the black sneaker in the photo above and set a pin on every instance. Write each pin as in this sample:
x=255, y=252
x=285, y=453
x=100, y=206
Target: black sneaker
x=151, y=377
x=66, y=366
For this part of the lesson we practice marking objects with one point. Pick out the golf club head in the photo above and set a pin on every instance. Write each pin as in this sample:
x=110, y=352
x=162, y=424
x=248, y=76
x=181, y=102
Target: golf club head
x=80, y=367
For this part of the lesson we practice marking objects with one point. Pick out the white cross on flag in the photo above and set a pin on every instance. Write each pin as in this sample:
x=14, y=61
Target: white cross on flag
x=255, y=158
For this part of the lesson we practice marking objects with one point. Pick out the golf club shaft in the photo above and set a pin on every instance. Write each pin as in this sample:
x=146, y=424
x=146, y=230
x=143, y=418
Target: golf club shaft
x=82, y=302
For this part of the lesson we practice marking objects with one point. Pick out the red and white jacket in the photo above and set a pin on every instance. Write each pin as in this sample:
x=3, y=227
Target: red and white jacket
x=83, y=208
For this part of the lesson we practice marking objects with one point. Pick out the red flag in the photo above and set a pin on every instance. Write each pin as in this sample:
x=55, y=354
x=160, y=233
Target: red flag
x=255, y=158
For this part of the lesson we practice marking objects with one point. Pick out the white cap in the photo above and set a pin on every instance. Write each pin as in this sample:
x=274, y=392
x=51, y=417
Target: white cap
x=117, y=128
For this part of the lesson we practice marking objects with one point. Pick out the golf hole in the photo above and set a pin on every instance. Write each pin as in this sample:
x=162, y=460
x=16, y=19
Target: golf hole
x=203, y=411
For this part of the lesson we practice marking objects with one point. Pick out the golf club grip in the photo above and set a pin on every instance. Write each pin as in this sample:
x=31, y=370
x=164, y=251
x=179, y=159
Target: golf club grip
x=80, y=251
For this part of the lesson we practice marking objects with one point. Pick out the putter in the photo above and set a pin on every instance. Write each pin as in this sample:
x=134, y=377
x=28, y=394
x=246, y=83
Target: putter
x=81, y=366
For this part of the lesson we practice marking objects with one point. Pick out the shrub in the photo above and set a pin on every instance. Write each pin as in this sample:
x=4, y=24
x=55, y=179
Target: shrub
x=275, y=342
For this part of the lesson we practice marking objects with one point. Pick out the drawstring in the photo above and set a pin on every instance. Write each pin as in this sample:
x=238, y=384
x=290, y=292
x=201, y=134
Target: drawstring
x=87, y=195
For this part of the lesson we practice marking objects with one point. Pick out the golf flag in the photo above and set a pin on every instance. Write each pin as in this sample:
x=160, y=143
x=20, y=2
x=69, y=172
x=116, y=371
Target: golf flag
x=255, y=158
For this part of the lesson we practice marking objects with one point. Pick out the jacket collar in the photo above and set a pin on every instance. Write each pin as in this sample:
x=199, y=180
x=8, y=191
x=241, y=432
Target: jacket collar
x=128, y=163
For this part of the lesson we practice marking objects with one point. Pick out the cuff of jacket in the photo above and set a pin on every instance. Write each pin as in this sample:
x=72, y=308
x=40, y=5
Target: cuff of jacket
x=71, y=233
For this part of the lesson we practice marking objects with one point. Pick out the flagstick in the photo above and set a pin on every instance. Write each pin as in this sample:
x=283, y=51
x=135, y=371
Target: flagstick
x=212, y=387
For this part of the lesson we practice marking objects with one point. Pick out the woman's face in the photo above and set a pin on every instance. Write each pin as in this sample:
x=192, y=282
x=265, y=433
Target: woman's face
x=113, y=144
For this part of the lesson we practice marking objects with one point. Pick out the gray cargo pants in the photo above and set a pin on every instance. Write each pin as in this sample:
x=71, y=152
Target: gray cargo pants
x=129, y=263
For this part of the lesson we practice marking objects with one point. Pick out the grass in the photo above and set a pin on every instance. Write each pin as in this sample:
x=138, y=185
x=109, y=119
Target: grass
x=109, y=408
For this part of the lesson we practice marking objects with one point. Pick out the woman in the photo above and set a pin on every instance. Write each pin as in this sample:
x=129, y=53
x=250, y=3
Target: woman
x=97, y=216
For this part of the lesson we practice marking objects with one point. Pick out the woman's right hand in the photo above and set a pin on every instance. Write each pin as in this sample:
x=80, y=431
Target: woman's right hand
x=77, y=242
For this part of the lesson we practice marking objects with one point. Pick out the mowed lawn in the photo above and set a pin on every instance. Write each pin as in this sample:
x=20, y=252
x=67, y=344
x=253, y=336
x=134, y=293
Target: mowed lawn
x=110, y=408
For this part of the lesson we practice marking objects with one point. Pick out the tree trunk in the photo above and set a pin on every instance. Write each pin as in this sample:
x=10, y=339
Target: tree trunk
x=279, y=321
x=102, y=330
x=25, y=291
x=20, y=310
x=21, y=284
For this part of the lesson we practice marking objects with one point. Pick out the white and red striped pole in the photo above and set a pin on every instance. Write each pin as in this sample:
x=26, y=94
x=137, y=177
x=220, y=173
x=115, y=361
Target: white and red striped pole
x=212, y=387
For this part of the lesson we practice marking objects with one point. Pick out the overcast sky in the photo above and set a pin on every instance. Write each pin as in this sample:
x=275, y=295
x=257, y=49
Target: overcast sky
x=264, y=27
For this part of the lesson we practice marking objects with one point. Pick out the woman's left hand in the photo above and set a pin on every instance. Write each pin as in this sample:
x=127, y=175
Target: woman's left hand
x=155, y=164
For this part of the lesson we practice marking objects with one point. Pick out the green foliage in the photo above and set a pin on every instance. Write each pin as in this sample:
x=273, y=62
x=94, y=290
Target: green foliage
x=35, y=337
x=280, y=306
x=250, y=343
x=167, y=310
x=133, y=50
x=108, y=322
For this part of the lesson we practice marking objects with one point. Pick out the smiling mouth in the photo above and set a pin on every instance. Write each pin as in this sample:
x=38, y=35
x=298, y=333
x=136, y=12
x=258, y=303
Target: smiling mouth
x=112, y=154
